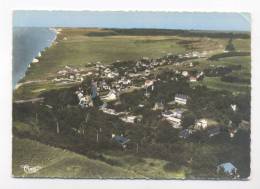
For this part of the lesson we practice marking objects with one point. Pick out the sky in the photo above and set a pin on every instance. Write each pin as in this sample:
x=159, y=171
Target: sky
x=121, y=19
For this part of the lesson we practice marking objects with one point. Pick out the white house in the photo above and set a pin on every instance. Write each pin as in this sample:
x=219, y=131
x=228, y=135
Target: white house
x=148, y=83
x=193, y=79
x=201, y=124
x=85, y=101
x=185, y=73
x=110, y=96
x=158, y=106
x=129, y=119
x=175, y=122
x=233, y=107
x=181, y=99
x=109, y=111
x=177, y=113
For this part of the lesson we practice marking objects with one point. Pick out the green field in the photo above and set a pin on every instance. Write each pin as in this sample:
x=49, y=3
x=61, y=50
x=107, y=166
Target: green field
x=78, y=50
x=216, y=83
x=56, y=162
x=60, y=163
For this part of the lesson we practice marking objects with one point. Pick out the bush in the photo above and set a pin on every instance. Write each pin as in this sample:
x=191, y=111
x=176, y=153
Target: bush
x=171, y=166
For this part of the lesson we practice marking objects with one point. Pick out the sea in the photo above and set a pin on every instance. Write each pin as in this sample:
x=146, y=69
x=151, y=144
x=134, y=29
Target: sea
x=28, y=42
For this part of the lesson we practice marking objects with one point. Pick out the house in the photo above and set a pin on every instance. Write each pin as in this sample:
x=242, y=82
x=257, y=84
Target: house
x=185, y=133
x=109, y=111
x=201, y=124
x=228, y=168
x=177, y=113
x=232, y=132
x=193, y=79
x=233, y=107
x=79, y=94
x=200, y=75
x=85, y=102
x=175, y=122
x=110, y=96
x=185, y=73
x=148, y=83
x=120, y=140
x=167, y=114
x=140, y=105
x=129, y=119
x=132, y=118
x=213, y=131
x=181, y=99
x=158, y=106
x=244, y=125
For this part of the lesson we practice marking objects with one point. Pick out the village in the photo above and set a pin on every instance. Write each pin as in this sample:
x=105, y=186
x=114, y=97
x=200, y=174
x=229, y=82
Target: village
x=108, y=83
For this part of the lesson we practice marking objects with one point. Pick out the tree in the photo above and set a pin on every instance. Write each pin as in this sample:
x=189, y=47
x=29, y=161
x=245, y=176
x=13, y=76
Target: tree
x=188, y=119
x=230, y=46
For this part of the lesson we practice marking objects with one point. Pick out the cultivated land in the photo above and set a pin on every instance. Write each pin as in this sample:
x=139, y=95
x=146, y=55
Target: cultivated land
x=65, y=138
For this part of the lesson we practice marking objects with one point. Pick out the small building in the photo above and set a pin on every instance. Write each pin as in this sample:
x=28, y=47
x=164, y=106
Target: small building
x=244, y=125
x=131, y=119
x=120, y=140
x=85, y=101
x=109, y=111
x=140, y=105
x=228, y=168
x=193, y=79
x=148, y=83
x=232, y=132
x=175, y=122
x=185, y=73
x=201, y=124
x=158, y=106
x=181, y=99
x=110, y=96
x=233, y=107
x=177, y=113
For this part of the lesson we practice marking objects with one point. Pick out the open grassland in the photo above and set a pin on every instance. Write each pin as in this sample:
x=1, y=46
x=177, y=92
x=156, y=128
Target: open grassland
x=55, y=162
x=75, y=48
x=148, y=167
x=78, y=50
x=32, y=90
x=217, y=84
x=59, y=163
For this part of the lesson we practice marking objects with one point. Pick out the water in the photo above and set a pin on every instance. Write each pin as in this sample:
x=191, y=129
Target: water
x=27, y=43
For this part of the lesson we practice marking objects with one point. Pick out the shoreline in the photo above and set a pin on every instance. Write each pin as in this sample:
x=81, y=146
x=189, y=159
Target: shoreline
x=35, y=60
